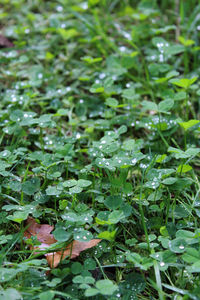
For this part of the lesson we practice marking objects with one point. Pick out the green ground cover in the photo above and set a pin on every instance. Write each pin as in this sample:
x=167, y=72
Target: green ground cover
x=99, y=118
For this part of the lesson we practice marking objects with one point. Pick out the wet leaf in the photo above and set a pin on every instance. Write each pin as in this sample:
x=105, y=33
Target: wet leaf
x=4, y=42
x=43, y=234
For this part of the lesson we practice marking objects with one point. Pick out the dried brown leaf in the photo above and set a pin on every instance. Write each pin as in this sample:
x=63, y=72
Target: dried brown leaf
x=72, y=250
x=43, y=233
x=4, y=42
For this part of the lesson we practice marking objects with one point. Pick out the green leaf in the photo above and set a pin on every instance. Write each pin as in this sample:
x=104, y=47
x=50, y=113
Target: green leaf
x=190, y=152
x=89, y=264
x=122, y=129
x=47, y=295
x=91, y=60
x=115, y=217
x=174, y=49
x=7, y=274
x=83, y=236
x=113, y=202
x=52, y=191
x=84, y=183
x=177, y=245
x=82, y=279
x=169, y=180
x=61, y=235
x=184, y=168
x=106, y=287
x=107, y=235
x=91, y=292
x=129, y=145
x=19, y=216
x=67, y=34
x=75, y=190
x=77, y=268
x=133, y=257
x=166, y=105
x=191, y=255
x=31, y=186
x=186, y=42
x=148, y=105
x=10, y=294
x=70, y=183
x=17, y=115
x=112, y=102
x=184, y=82
x=195, y=268
x=189, y=124
x=182, y=211
x=70, y=217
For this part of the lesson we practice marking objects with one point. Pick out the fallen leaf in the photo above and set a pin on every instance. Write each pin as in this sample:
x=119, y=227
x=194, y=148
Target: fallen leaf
x=72, y=250
x=4, y=42
x=43, y=234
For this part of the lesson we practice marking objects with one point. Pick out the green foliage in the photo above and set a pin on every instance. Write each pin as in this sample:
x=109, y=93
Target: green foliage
x=99, y=115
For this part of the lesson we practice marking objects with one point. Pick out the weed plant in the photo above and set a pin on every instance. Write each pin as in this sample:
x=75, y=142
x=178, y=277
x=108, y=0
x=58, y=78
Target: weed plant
x=99, y=118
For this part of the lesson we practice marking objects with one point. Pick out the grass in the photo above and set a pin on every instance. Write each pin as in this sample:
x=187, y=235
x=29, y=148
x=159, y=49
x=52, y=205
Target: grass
x=99, y=117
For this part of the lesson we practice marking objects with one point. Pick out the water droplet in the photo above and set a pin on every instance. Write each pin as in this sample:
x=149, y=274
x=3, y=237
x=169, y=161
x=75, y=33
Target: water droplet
x=122, y=48
x=81, y=101
x=134, y=161
x=68, y=89
x=84, y=5
x=40, y=76
x=127, y=35
x=181, y=247
x=63, y=25
x=102, y=76
x=161, y=58
x=119, y=161
x=143, y=166
x=162, y=264
x=27, y=30
x=5, y=153
x=78, y=135
x=59, y=8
